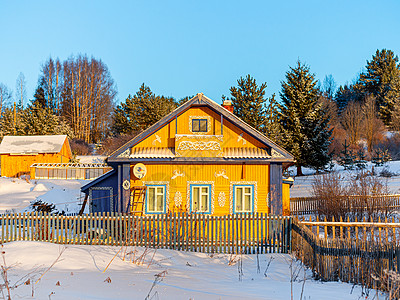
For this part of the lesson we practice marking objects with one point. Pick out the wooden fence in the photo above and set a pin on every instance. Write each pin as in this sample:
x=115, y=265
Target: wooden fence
x=311, y=205
x=239, y=233
x=303, y=205
x=349, y=252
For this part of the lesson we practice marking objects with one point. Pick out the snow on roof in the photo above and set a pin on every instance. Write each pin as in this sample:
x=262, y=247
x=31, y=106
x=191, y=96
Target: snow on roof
x=32, y=144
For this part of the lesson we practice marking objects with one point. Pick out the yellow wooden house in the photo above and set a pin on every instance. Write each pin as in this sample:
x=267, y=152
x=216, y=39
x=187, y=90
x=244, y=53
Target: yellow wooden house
x=200, y=158
x=18, y=153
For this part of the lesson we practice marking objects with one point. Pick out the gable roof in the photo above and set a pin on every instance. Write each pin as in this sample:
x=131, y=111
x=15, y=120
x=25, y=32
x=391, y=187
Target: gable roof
x=201, y=100
x=32, y=144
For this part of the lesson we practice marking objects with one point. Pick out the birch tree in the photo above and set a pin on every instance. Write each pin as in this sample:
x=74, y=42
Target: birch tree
x=50, y=81
x=5, y=97
x=20, y=89
x=88, y=93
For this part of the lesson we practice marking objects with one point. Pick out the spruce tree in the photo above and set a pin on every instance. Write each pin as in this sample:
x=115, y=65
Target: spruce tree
x=39, y=97
x=346, y=94
x=36, y=120
x=7, y=122
x=382, y=80
x=141, y=111
x=304, y=124
x=361, y=162
x=251, y=105
x=347, y=157
x=248, y=101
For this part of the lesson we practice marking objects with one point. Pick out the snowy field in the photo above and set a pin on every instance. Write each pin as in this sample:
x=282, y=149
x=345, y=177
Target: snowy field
x=16, y=195
x=79, y=274
x=302, y=186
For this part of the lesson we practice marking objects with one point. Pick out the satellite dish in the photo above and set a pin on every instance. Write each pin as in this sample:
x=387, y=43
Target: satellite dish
x=139, y=170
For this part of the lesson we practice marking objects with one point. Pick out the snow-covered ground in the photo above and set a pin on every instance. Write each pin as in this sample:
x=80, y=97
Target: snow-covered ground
x=93, y=159
x=302, y=186
x=16, y=195
x=79, y=274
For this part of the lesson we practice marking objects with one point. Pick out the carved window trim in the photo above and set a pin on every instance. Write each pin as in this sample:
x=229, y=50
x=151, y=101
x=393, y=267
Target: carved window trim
x=188, y=194
x=155, y=183
x=242, y=183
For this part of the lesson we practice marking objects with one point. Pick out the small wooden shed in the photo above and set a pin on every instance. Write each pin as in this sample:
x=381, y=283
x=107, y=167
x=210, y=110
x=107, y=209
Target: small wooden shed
x=18, y=153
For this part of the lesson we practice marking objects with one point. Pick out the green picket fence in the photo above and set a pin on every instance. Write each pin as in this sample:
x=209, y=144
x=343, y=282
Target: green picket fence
x=238, y=233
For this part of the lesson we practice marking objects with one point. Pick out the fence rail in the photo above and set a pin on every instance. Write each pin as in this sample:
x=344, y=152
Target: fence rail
x=68, y=170
x=382, y=231
x=349, y=256
x=239, y=233
x=311, y=205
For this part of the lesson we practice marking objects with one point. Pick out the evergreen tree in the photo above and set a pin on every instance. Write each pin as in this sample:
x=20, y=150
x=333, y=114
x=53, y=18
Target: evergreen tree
x=272, y=128
x=39, y=97
x=304, y=124
x=36, y=120
x=140, y=111
x=251, y=105
x=346, y=94
x=248, y=100
x=347, y=157
x=184, y=100
x=382, y=80
x=361, y=162
x=7, y=122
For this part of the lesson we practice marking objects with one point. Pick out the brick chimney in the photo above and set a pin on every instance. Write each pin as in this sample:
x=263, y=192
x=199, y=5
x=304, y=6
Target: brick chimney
x=228, y=105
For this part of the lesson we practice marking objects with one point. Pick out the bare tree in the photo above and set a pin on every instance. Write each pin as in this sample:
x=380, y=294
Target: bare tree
x=396, y=116
x=5, y=97
x=329, y=86
x=88, y=94
x=352, y=121
x=373, y=127
x=50, y=80
x=20, y=89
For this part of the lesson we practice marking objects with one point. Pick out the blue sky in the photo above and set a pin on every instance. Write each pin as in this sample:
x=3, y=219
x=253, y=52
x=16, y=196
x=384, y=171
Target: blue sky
x=180, y=48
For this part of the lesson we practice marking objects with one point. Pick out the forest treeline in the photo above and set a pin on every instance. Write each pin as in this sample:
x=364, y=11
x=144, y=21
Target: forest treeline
x=316, y=121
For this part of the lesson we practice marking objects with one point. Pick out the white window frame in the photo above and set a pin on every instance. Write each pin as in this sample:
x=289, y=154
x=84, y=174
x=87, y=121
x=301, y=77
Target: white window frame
x=155, y=198
x=244, y=194
x=208, y=194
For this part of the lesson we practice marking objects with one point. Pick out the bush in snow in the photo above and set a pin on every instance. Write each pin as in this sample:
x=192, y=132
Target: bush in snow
x=40, y=206
x=340, y=198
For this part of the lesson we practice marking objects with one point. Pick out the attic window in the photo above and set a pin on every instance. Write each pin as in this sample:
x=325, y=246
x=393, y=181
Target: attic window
x=199, y=125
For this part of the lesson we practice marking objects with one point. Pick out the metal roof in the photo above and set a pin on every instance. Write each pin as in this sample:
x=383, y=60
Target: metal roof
x=279, y=154
x=147, y=152
x=32, y=144
x=246, y=153
x=238, y=153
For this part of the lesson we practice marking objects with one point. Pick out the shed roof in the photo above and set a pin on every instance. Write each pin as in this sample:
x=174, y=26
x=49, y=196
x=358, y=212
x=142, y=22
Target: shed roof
x=32, y=144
